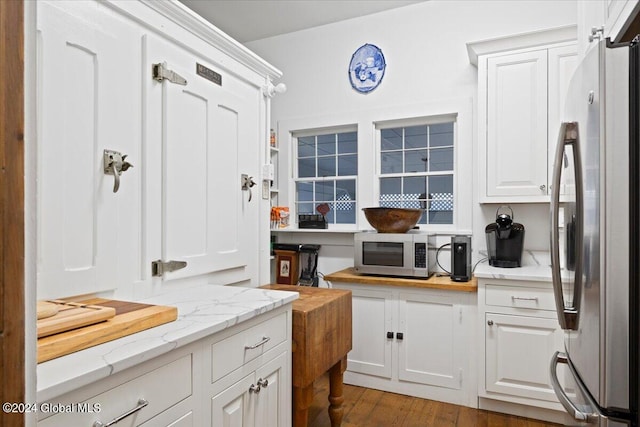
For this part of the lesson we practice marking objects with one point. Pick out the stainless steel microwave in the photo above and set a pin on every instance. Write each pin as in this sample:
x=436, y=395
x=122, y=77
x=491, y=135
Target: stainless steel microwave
x=394, y=254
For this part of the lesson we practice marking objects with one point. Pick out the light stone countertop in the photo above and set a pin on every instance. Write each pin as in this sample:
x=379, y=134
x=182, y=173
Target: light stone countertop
x=536, y=266
x=202, y=311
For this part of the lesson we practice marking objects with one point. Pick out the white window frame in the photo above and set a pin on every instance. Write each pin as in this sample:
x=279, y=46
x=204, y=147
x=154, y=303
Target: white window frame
x=316, y=132
x=418, y=121
x=367, y=187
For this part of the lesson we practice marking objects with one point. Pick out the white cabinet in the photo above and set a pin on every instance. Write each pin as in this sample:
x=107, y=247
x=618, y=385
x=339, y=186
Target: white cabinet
x=519, y=334
x=204, y=136
x=158, y=392
x=249, y=377
x=190, y=135
x=412, y=341
x=238, y=377
x=521, y=95
x=614, y=17
x=254, y=401
x=88, y=64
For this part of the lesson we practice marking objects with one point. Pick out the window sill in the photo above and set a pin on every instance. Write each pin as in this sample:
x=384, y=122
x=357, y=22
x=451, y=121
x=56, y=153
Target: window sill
x=314, y=230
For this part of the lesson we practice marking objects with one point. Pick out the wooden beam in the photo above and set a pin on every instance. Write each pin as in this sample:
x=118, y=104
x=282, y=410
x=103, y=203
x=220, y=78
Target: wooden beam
x=12, y=327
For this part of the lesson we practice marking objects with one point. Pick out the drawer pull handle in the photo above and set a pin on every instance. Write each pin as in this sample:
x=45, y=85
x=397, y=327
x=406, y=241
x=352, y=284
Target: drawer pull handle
x=258, y=344
x=513, y=298
x=141, y=404
x=264, y=383
x=254, y=388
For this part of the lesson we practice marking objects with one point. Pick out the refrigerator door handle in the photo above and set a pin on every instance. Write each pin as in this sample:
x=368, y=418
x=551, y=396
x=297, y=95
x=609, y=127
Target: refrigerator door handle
x=569, y=406
x=567, y=316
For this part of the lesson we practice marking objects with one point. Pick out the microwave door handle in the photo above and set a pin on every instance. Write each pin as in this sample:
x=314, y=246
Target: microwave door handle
x=568, y=135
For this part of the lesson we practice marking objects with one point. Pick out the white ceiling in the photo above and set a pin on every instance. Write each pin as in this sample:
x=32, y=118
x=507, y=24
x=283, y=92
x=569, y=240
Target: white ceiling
x=248, y=20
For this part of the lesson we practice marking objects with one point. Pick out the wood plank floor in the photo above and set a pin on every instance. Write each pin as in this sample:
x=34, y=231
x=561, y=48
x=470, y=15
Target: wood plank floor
x=365, y=407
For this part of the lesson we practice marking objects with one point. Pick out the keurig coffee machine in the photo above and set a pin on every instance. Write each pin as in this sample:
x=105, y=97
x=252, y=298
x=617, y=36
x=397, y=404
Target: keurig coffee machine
x=505, y=240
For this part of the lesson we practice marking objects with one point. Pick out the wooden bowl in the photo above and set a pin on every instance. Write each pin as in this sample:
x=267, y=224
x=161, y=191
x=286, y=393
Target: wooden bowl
x=392, y=220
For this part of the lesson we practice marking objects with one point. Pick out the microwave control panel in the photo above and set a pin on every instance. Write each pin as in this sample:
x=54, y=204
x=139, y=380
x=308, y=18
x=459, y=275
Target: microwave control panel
x=420, y=255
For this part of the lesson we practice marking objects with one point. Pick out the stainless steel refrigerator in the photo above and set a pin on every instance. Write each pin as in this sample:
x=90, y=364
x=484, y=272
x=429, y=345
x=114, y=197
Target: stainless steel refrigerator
x=595, y=240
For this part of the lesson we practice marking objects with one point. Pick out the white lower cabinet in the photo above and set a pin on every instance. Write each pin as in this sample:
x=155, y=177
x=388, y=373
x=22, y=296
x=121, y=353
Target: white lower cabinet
x=412, y=341
x=255, y=400
x=181, y=388
x=519, y=333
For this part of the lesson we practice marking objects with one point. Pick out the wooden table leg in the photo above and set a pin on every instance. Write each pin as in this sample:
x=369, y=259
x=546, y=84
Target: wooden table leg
x=302, y=399
x=336, y=411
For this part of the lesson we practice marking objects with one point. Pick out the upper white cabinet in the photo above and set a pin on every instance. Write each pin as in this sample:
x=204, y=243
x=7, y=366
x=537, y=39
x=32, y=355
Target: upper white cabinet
x=521, y=92
x=185, y=104
x=605, y=18
x=88, y=101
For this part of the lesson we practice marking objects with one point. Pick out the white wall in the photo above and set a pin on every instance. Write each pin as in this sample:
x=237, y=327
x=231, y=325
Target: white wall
x=425, y=50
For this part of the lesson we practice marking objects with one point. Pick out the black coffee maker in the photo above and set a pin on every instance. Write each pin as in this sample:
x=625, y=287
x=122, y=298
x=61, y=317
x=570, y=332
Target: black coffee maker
x=505, y=240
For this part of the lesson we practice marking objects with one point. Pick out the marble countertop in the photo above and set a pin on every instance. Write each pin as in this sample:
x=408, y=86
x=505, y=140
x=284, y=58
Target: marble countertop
x=536, y=266
x=202, y=311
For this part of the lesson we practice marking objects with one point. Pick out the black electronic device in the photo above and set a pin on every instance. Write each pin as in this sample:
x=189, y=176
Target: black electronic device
x=312, y=221
x=461, y=258
x=505, y=240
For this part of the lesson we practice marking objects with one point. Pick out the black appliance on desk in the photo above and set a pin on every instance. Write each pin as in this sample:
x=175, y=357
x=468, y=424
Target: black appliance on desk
x=292, y=258
x=505, y=240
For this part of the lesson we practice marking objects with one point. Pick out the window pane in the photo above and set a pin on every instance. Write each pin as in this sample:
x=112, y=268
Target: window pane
x=307, y=146
x=391, y=162
x=306, y=208
x=326, y=144
x=390, y=185
x=441, y=184
x=324, y=191
x=330, y=216
x=441, y=135
x=346, y=190
x=390, y=192
x=348, y=165
x=345, y=212
x=441, y=159
x=307, y=167
x=441, y=217
x=304, y=191
x=326, y=166
x=347, y=142
x=415, y=137
x=441, y=199
x=415, y=161
x=391, y=139
x=415, y=189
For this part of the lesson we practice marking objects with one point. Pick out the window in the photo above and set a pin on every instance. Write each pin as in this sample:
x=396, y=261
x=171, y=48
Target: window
x=327, y=167
x=417, y=169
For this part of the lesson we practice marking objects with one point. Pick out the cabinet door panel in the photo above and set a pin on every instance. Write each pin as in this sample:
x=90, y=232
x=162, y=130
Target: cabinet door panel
x=517, y=124
x=562, y=64
x=87, y=65
x=518, y=351
x=430, y=350
x=234, y=407
x=372, y=319
x=208, y=131
x=270, y=402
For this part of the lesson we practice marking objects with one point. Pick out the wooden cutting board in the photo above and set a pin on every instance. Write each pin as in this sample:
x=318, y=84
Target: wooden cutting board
x=60, y=316
x=129, y=318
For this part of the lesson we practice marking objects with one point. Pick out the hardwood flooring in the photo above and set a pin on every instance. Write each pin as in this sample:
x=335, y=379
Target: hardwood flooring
x=365, y=407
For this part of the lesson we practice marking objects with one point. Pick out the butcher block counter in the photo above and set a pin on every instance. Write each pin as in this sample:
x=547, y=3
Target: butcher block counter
x=348, y=275
x=321, y=341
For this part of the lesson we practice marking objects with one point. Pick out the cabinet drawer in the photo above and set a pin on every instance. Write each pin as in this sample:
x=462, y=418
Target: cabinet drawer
x=161, y=388
x=233, y=352
x=520, y=297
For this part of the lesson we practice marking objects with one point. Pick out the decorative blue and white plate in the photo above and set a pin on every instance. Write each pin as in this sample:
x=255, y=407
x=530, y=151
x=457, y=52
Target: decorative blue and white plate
x=366, y=68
